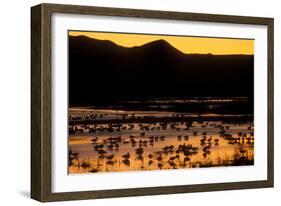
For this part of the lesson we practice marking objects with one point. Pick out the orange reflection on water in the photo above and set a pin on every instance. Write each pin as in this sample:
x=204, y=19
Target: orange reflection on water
x=161, y=146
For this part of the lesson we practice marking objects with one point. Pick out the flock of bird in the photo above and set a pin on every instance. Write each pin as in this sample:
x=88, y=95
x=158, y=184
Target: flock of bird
x=118, y=116
x=173, y=156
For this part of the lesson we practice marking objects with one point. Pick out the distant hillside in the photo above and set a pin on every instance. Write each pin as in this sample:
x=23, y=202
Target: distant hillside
x=101, y=71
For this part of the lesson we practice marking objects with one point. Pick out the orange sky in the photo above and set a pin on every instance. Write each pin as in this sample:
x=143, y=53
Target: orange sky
x=186, y=44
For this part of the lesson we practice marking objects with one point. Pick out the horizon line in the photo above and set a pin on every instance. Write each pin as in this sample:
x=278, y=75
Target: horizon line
x=213, y=45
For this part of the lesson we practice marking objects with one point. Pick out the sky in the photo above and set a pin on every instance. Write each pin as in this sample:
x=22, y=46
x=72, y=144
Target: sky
x=186, y=44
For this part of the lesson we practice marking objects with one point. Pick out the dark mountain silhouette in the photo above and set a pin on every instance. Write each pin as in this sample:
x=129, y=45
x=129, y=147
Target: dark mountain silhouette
x=101, y=72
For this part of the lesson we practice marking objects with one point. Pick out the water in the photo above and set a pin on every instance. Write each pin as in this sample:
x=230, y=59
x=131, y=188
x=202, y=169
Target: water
x=227, y=143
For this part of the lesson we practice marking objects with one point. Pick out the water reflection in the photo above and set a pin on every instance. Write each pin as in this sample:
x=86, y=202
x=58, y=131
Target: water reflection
x=160, y=145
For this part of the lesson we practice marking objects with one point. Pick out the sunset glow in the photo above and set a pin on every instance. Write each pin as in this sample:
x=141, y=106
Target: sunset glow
x=186, y=44
x=139, y=102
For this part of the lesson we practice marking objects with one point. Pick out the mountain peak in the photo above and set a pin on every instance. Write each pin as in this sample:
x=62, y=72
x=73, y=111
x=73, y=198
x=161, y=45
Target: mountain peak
x=162, y=45
x=159, y=42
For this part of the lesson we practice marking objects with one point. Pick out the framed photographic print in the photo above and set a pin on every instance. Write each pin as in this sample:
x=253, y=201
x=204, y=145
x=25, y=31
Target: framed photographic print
x=132, y=102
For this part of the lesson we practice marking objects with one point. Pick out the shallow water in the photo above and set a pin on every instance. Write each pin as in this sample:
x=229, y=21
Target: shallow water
x=230, y=148
x=85, y=114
